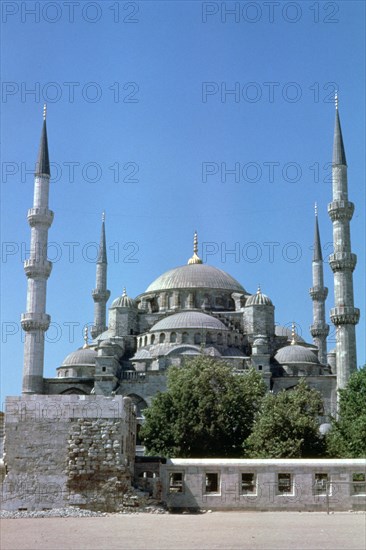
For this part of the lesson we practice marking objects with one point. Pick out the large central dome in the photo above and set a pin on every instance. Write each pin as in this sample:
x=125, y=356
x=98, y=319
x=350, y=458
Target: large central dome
x=195, y=276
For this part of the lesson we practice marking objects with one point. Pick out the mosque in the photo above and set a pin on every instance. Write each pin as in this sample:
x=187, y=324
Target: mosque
x=191, y=310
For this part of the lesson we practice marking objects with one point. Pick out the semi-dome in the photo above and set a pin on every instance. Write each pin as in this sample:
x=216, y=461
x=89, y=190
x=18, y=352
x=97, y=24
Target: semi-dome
x=295, y=354
x=258, y=299
x=189, y=320
x=82, y=357
x=195, y=276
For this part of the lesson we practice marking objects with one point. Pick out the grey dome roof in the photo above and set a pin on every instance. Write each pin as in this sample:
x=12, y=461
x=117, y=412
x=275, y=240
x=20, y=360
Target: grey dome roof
x=258, y=299
x=123, y=301
x=285, y=331
x=189, y=320
x=195, y=276
x=81, y=357
x=295, y=354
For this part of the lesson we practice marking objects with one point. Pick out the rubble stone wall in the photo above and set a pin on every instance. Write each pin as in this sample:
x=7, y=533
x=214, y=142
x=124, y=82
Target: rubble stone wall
x=68, y=450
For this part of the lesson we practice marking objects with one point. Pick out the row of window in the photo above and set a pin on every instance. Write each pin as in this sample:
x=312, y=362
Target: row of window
x=196, y=338
x=249, y=485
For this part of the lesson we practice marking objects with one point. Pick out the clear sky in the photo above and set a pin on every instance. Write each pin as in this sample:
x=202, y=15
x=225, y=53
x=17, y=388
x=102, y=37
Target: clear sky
x=175, y=116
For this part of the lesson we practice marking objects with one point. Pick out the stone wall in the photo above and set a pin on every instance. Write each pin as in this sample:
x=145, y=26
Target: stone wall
x=68, y=450
x=251, y=484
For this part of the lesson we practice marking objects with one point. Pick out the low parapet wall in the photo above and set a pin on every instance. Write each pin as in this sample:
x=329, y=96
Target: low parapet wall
x=67, y=450
x=267, y=484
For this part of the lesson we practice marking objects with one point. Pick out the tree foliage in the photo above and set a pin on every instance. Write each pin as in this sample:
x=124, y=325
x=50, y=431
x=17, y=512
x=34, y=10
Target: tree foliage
x=207, y=411
x=286, y=426
x=347, y=438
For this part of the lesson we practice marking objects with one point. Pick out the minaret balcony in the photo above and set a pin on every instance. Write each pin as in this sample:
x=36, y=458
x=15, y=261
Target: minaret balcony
x=341, y=210
x=340, y=261
x=318, y=293
x=40, y=216
x=37, y=268
x=100, y=295
x=344, y=315
x=319, y=329
x=35, y=321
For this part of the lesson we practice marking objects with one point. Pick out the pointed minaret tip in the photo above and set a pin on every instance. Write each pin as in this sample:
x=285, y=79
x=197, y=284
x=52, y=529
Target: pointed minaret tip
x=339, y=155
x=316, y=209
x=317, y=254
x=102, y=256
x=43, y=161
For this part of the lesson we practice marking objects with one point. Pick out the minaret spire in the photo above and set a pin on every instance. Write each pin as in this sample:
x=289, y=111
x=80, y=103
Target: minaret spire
x=319, y=329
x=37, y=269
x=343, y=262
x=100, y=293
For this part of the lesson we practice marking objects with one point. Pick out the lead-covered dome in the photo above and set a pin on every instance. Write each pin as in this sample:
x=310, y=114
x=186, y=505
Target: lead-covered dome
x=123, y=301
x=258, y=299
x=295, y=354
x=195, y=276
x=189, y=320
x=82, y=357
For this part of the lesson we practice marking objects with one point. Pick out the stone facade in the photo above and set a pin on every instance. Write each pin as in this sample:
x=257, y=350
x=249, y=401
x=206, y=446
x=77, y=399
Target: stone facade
x=68, y=450
x=263, y=484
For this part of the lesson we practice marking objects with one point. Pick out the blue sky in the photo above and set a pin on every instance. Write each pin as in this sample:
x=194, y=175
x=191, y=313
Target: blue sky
x=176, y=116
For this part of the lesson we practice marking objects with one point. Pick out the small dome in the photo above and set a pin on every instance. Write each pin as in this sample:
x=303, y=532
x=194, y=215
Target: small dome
x=295, y=354
x=260, y=342
x=82, y=357
x=189, y=320
x=258, y=299
x=123, y=301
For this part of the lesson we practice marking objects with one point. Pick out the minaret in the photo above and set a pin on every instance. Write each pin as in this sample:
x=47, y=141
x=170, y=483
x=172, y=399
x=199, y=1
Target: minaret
x=344, y=315
x=319, y=329
x=100, y=293
x=37, y=269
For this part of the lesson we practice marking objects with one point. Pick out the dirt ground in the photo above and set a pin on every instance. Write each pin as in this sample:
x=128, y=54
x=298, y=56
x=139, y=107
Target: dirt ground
x=216, y=530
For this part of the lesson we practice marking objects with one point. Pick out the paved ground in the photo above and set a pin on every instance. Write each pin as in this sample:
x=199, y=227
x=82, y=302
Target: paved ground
x=218, y=530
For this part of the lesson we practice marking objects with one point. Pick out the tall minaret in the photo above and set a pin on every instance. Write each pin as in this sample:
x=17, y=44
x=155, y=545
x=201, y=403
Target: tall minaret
x=100, y=293
x=344, y=315
x=37, y=269
x=319, y=329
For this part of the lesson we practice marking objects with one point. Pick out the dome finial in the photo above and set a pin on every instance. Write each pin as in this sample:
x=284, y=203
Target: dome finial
x=195, y=258
x=293, y=334
x=44, y=111
x=259, y=291
x=85, y=337
x=124, y=293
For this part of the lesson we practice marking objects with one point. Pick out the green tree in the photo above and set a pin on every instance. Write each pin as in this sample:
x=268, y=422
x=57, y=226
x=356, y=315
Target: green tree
x=207, y=411
x=286, y=426
x=347, y=438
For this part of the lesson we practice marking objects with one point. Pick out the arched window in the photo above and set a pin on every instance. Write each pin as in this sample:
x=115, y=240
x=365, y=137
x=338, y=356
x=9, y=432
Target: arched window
x=162, y=338
x=173, y=337
x=145, y=341
x=197, y=338
x=185, y=337
x=152, y=339
x=219, y=338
